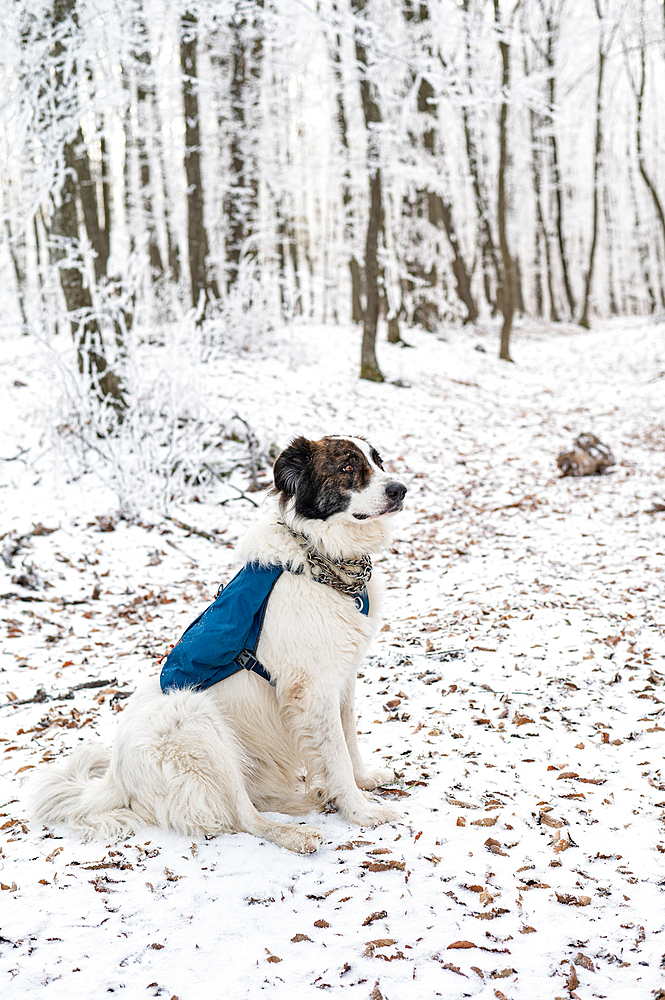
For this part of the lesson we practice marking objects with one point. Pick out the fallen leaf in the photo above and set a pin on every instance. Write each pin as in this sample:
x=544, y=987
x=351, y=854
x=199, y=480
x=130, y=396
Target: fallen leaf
x=453, y=968
x=461, y=821
x=551, y=821
x=572, y=982
x=484, y=821
x=462, y=944
x=377, y=915
x=495, y=847
x=585, y=962
x=503, y=974
x=383, y=866
x=567, y=774
x=564, y=897
x=527, y=930
x=321, y=923
x=300, y=937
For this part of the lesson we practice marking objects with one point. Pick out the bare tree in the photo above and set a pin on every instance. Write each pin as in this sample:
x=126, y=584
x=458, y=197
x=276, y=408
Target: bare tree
x=369, y=366
x=604, y=44
x=203, y=287
x=507, y=296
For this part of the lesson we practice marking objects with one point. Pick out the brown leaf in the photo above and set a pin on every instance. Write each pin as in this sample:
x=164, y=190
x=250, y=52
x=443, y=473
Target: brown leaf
x=494, y=846
x=585, y=962
x=551, y=821
x=321, y=923
x=300, y=937
x=527, y=930
x=462, y=944
x=564, y=897
x=572, y=982
x=376, y=993
x=484, y=821
x=567, y=774
x=453, y=968
x=377, y=915
x=503, y=974
x=273, y=958
x=383, y=866
x=461, y=821
x=521, y=720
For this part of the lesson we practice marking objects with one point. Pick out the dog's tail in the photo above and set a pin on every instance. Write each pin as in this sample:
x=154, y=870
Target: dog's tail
x=82, y=794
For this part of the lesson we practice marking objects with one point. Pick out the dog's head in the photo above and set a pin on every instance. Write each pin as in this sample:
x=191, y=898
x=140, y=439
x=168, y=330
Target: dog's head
x=336, y=475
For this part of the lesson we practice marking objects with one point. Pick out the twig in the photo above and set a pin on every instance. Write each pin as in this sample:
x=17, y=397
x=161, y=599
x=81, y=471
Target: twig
x=40, y=694
x=19, y=597
x=194, y=531
x=243, y=496
x=15, y=458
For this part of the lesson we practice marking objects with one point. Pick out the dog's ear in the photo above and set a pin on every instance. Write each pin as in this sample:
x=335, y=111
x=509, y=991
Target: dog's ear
x=290, y=465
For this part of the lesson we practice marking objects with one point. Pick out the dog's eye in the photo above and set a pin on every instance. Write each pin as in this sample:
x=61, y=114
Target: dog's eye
x=348, y=467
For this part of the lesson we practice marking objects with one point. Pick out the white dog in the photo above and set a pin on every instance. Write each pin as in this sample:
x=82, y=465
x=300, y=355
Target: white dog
x=201, y=755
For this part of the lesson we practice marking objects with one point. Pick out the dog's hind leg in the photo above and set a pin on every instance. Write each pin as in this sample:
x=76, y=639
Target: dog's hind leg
x=293, y=836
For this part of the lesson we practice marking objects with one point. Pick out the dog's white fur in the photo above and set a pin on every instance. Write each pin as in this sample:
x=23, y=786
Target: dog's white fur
x=206, y=762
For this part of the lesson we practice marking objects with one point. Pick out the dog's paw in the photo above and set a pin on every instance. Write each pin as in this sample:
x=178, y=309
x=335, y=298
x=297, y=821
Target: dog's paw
x=378, y=776
x=299, y=838
x=373, y=814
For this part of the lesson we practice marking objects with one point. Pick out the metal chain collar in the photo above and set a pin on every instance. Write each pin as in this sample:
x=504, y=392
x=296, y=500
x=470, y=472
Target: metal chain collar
x=326, y=571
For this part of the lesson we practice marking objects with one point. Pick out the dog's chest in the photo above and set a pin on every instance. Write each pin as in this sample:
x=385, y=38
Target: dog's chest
x=308, y=623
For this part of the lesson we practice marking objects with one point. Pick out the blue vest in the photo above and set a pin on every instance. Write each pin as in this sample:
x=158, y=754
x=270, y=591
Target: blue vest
x=223, y=639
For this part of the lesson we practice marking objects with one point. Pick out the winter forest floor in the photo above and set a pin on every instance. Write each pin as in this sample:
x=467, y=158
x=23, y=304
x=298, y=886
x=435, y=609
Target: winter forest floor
x=516, y=687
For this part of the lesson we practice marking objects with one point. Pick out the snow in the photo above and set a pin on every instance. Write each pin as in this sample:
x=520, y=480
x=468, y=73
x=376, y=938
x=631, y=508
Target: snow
x=523, y=646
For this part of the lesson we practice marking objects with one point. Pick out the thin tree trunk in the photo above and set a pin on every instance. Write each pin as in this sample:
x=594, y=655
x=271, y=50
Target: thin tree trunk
x=489, y=257
x=554, y=160
x=202, y=287
x=145, y=95
x=369, y=366
x=507, y=296
x=537, y=186
x=651, y=187
x=19, y=274
x=598, y=148
x=614, y=311
x=357, y=310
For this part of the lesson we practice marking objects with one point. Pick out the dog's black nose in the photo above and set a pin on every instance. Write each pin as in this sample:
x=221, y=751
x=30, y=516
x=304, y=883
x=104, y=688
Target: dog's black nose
x=395, y=491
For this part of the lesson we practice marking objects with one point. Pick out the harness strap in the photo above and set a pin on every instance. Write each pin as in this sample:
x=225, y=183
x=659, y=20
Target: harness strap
x=248, y=661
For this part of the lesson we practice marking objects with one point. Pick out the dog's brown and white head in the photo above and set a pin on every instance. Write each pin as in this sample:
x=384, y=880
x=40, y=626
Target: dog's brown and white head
x=336, y=478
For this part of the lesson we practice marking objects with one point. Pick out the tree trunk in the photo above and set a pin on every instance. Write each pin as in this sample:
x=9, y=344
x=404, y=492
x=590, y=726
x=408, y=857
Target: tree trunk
x=19, y=274
x=357, y=310
x=554, y=160
x=99, y=237
x=507, y=288
x=598, y=148
x=369, y=366
x=64, y=240
x=651, y=187
x=202, y=287
x=145, y=95
x=241, y=202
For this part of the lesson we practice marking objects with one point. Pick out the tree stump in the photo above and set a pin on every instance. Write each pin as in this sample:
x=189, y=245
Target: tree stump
x=588, y=457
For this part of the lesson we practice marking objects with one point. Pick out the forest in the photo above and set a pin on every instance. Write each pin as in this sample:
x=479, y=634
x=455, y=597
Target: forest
x=248, y=163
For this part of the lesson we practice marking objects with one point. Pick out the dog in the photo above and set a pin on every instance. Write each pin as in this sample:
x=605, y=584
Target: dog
x=204, y=760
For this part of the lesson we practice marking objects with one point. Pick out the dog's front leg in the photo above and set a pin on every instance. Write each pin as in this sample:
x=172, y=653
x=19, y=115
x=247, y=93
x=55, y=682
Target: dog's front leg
x=323, y=723
x=364, y=777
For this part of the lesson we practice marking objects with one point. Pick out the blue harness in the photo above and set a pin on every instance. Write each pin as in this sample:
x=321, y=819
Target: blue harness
x=224, y=638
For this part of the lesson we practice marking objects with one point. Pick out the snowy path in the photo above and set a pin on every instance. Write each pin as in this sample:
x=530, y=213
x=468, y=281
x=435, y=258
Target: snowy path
x=517, y=688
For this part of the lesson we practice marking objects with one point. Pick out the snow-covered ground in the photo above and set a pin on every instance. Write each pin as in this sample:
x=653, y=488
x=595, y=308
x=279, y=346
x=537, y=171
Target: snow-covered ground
x=515, y=687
